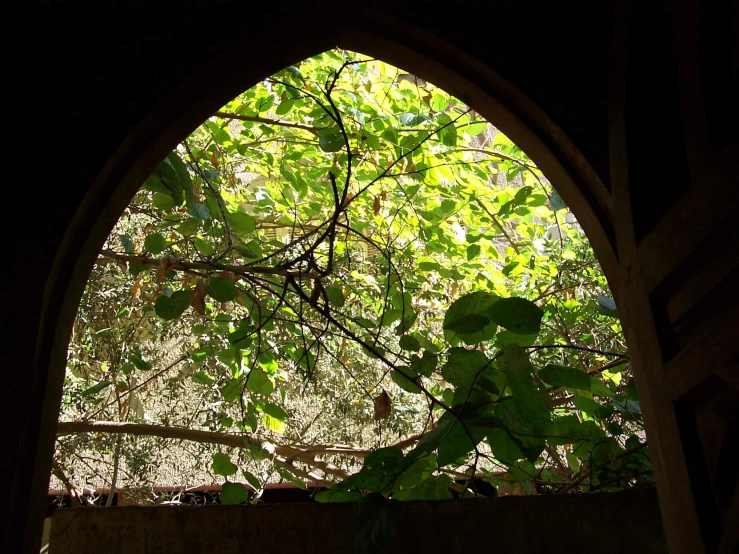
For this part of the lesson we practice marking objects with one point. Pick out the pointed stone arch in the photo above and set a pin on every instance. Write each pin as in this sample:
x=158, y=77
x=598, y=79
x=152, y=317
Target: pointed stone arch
x=679, y=307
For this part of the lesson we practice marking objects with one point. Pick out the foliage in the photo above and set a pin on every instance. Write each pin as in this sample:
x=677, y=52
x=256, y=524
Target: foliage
x=347, y=254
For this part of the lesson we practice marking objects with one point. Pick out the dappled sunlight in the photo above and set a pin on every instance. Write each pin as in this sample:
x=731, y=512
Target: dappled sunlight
x=348, y=279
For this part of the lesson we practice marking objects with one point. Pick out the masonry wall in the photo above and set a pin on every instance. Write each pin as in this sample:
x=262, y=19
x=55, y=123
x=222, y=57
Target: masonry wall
x=602, y=523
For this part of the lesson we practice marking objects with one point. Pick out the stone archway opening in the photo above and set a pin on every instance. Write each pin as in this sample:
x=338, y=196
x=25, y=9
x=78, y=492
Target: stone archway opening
x=199, y=209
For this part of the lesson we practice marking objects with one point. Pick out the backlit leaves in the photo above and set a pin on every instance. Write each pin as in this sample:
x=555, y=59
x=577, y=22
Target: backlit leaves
x=399, y=294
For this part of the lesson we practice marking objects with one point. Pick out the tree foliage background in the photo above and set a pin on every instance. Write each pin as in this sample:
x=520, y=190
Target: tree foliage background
x=346, y=277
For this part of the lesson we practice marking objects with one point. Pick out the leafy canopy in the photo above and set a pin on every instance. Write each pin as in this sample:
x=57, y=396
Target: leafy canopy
x=347, y=254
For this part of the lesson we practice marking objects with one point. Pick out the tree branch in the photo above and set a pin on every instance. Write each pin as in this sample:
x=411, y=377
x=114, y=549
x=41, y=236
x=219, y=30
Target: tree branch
x=270, y=121
x=205, y=266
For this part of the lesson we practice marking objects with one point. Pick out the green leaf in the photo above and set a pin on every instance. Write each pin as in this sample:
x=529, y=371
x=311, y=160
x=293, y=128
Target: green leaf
x=174, y=306
x=188, y=227
x=337, y=495
x=198, y=211
x=518, y=422
x=518, y=371
x=305, y=359
x=438, y=102
x=128, y=246
x=285, y=106
x=331, y=142
x=257, y=452
x=241, y=223
x=373, y=142
x=426, y=365
x=447, y=135
x=473, y=251
x=181, y=174
x=410, y=343
x=264, y=103
x=251, y=479
x=464, y=366
x=455, y=436
x=428, y=266
x=233, y=494
x=468, y=324
x=155, y=243
x=222, y=465
x=568, y=430
x=518, y=315
x=251, y=250
x=231, y=391
x=163, y=201
x=597, y=387
x=273, y=424
x=475, y=128
x=290, y=477
x=411, y=477
x=205, y=248
x=458, y=443
x=433, y=488
x=203, y=378
x=504, y=448
x=468, y=317
x=404, y=382
x=505, y=338
x=275, y=411
x=168, y=179
x=380, y=469
x=585, y=404
x=561, y=376
x=222, y=289
x=140, y=362
x=335, y=296
x=96, y=388
x=555, y=202
x=259, y=382
x=406, y=119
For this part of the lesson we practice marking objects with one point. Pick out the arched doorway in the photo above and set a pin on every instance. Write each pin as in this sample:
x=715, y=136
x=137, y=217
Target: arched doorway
x=151, y=136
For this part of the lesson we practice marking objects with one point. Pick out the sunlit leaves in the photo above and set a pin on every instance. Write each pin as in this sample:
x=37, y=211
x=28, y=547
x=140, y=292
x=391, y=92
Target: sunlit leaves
x=96, y=388
x=444, y=238
x=241, y=223
x=233, y=493
x=203, y=378
x=259, y=382
x=222, y=465
x=447, y=131
x=439, y=102
x=274, y=424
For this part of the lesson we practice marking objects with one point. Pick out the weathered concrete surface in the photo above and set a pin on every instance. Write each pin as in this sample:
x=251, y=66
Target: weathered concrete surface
x=604, y=523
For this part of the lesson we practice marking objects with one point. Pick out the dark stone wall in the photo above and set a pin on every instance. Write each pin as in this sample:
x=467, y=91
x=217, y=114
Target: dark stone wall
x=632, y=104
x=601, y=523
